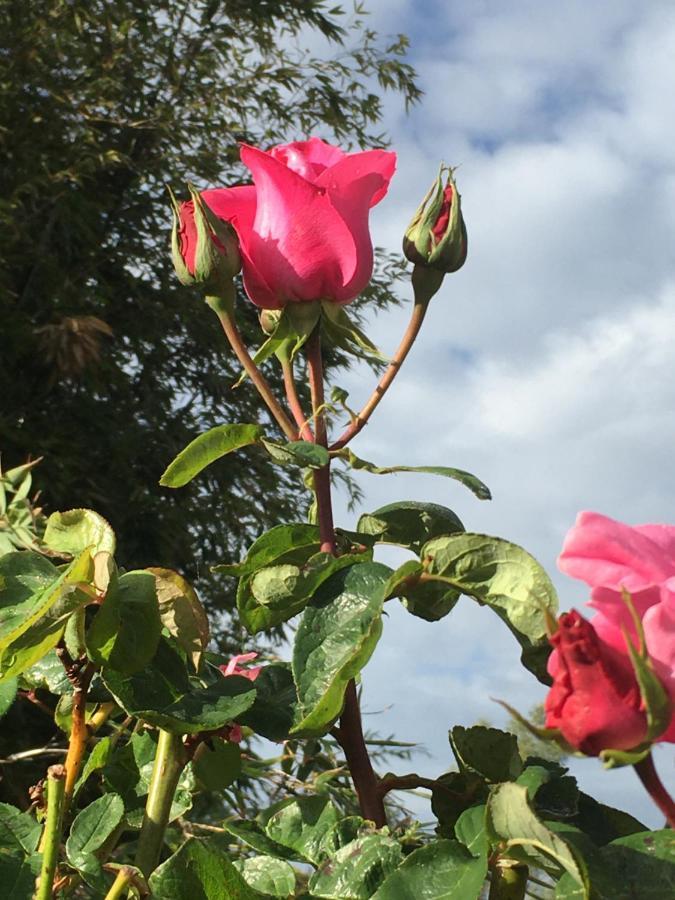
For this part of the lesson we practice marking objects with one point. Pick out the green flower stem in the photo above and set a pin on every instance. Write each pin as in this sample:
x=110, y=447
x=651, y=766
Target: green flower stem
x=408, y=339
x=121, y=884
x=508, y=883
x=350, y=733
x=223, y=308
x=51, y=841
x=654, y=787
x=170, y=761
x=294, y=404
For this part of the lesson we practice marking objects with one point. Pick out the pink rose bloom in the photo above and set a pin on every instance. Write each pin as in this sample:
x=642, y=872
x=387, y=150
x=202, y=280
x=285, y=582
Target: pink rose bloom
x=595, y=699
x=233, y=667
x=303, y=224
x=610, y=556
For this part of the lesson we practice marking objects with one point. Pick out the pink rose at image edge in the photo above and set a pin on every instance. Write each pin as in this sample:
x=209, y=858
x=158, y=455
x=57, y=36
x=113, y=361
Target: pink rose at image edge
x=303, y=224
x=610, y=555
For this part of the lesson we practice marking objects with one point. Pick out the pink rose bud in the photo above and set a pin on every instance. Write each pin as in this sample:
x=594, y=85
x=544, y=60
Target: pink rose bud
x=303, y=224
x=595, y=700
x=204, y=249
x=436, y=237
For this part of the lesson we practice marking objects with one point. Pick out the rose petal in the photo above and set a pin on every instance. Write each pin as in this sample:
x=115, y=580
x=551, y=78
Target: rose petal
x=308, y=158
x=237, y=206
x=299, y=242
x=606, y=553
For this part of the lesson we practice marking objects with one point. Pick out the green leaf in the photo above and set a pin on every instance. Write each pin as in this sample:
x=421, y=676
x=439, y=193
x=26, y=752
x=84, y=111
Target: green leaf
x=8, y=691
x=251, y=834
x=181, y=613
x=452, y=795
x=409, y=523
x=206, y=449
x=524, y=837
x=504, y=577
x=487, y=752
x=75, y=530
x=92, y=827
x=275, y=594
x=125, y=631
x=335, y=639
x=298, y=453
x=48, y=673
x=475, y=485
x=273, y=712
x=18, y=874
x=270, y=876
x=302, y=826
x=216, y=765
x=638, y=867
x=604, y=823
x=273, y=546
x=470, y=831
x=358, y=869
x=24, y=578
x=163, y=695
x=19, y=831
x=442, y=870
x=342, y=332
x=428, y=600
x=38, y=626
x=199, y=870
x=97, y=759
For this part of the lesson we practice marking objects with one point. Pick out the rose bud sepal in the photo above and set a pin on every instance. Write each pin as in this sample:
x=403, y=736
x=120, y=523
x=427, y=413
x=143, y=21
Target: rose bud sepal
x=656, y=702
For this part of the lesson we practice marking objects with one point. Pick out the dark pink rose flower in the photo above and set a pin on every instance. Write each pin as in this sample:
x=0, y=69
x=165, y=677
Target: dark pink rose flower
x=303, y=224
x=610, y=556
x=595, y=700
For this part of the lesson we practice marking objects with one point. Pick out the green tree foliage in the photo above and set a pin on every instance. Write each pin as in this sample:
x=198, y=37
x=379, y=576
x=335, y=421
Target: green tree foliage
x=109, y=367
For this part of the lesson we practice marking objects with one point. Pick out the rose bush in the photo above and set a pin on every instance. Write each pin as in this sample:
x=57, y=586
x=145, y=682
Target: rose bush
x=303, y=224
x=611, y=556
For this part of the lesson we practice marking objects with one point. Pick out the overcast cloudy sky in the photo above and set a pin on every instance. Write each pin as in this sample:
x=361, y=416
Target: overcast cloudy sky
x=546, y=367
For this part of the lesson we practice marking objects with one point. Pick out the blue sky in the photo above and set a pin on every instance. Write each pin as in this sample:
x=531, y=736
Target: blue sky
x=546, y=366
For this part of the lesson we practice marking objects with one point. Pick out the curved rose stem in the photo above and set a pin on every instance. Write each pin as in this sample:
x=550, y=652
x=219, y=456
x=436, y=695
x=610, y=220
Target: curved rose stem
x=350, y=733
x=223, y=308
x=51, y=842
x=654, y=787
x=294, y=400
x=408, y=339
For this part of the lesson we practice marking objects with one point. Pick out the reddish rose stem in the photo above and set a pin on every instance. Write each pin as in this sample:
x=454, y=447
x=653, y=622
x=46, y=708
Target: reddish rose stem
x=654, y=787
x=350, y=737
x=304, y=431
x=408, y=339
x=350, y=733
x=222, y=306
x=324, y=502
